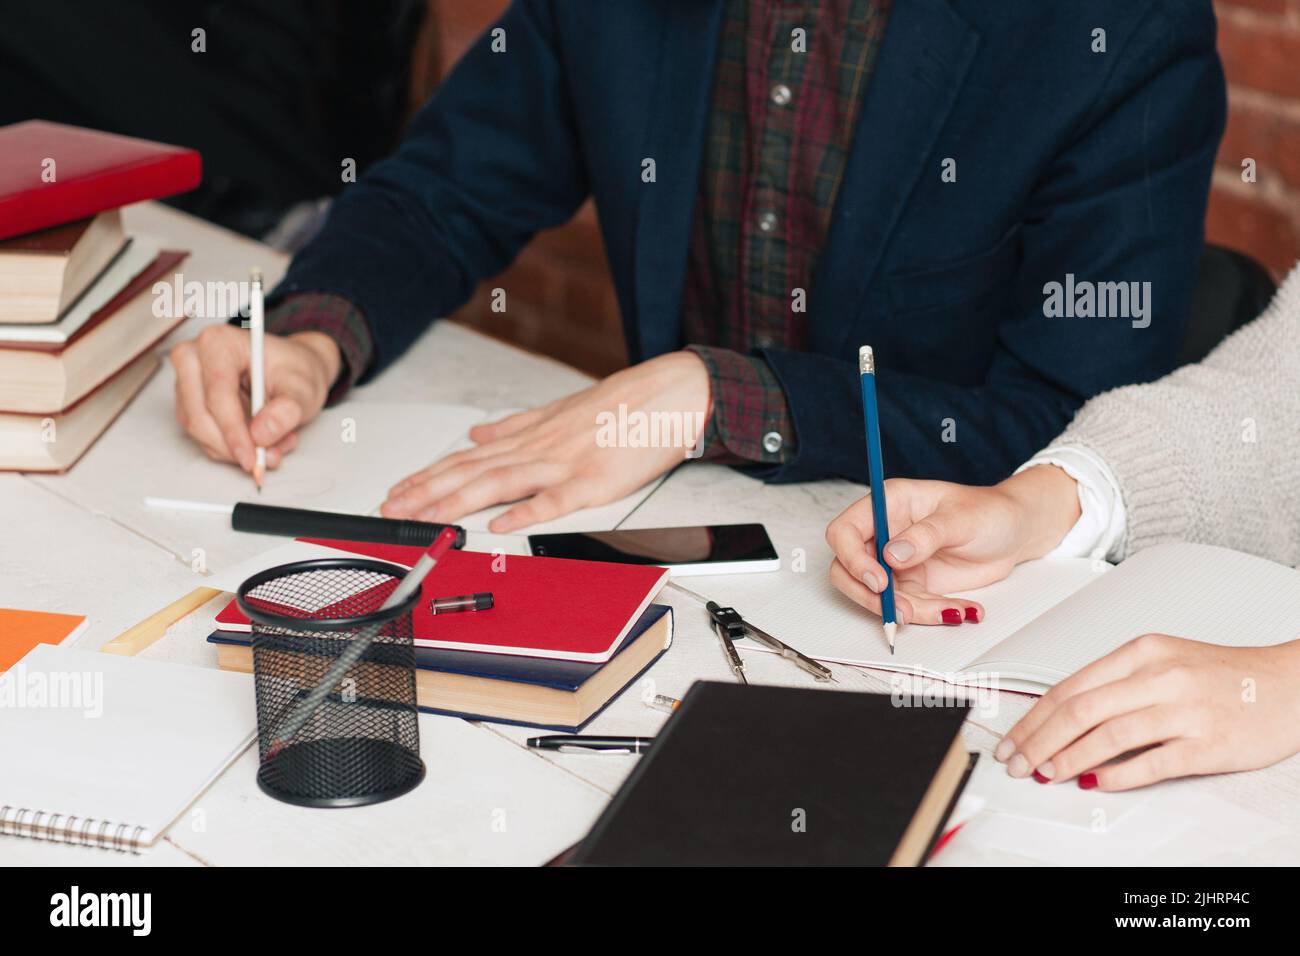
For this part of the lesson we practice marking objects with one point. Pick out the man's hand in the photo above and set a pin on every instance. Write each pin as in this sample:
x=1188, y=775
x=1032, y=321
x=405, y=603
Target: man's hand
x=1167, y=706
x=557, y=457
x=212, y=385
x=946, y=537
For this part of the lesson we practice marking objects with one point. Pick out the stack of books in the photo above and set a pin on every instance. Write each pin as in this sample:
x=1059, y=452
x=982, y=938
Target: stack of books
x=562, y=639
x=78, y=320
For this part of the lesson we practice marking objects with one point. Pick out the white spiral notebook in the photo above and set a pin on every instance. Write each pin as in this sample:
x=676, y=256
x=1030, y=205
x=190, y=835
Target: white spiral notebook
x=109, y=751
x=1051, y=617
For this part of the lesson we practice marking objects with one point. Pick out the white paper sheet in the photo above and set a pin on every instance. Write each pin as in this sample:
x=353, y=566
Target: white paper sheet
x=1171, y=823
x=346, y=460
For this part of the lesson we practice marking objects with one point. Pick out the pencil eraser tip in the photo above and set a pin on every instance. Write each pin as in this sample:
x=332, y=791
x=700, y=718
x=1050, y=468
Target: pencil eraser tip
x=866, y=359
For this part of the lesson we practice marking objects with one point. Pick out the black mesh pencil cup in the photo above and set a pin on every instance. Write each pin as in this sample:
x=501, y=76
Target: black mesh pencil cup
x=362, y=745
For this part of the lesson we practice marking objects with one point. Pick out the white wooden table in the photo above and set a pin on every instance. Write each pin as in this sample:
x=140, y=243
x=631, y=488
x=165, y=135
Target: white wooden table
x=81, y=543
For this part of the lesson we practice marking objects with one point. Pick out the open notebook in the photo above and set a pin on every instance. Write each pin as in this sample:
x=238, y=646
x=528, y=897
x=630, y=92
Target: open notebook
x=108, y=751
x=1051, y=617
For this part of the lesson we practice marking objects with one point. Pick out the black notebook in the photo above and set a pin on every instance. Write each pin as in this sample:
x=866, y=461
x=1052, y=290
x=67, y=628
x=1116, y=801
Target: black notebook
x=748, y=775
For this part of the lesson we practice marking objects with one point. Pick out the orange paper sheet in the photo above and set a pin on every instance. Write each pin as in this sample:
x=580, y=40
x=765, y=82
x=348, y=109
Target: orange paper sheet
x=20, y=631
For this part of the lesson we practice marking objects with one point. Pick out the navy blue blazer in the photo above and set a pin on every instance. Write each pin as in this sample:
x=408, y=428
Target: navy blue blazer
x=1068, y=162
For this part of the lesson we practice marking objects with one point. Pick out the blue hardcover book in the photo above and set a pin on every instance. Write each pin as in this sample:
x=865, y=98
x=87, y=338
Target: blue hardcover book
x=532, y=691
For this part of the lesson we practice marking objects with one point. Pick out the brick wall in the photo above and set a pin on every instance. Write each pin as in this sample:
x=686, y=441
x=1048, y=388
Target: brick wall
x=560, y=301
x=1259, y=42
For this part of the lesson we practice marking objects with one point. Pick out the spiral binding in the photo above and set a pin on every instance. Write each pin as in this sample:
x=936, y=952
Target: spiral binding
x=65, y=828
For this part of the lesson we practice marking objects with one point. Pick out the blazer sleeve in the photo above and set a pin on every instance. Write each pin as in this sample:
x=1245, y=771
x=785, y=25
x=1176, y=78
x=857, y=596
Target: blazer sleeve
x=476, y=176
x=1123, y=200
x=1211, y=452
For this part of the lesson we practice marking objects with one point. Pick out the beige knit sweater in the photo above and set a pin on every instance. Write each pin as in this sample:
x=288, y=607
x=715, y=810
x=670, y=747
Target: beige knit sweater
x=1211, y=452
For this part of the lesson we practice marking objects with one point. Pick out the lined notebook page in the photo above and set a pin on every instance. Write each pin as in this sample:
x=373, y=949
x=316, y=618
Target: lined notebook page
x=810, y=615
x=1188, y=590
x=117, y=738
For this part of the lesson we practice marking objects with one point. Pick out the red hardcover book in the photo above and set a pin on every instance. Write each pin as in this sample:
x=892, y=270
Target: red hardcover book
x=542, y=607
x=51, y=174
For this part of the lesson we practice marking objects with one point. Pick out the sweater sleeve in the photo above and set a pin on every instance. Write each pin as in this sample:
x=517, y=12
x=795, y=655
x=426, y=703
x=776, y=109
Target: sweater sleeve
x=1211, y=452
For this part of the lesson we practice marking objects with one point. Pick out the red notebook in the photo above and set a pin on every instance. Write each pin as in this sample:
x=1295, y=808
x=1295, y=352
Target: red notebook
x=92, y=171
x=543, y=607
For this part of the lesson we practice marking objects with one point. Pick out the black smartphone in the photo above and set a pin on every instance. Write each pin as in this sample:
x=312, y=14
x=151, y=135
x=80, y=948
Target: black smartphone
x=701, y=549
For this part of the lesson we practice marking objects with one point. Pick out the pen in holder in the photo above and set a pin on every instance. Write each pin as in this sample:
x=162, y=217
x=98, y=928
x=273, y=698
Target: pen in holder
x=362, y=744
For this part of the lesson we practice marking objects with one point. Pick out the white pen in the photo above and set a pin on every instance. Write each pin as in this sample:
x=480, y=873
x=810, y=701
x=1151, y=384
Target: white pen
x=257, y=366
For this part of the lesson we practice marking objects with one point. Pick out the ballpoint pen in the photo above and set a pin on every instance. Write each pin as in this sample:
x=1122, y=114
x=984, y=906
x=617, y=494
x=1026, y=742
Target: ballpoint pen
x=736, y=625
x=729, y=628
x=581, y=744
x=876, y=468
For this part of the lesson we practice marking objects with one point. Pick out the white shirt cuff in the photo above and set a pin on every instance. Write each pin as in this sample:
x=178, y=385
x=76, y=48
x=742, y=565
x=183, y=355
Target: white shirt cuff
x=1102, y=521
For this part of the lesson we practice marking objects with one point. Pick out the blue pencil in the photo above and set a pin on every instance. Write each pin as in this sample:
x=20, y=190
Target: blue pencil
x=875, y=464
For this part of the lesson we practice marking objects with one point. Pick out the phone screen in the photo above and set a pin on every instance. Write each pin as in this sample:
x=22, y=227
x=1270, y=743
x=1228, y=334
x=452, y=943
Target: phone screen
x=701, y=544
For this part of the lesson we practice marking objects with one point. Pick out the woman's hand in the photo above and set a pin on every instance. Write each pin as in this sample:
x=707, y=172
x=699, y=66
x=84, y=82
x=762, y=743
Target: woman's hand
x=1183, y=706
x=945, y=537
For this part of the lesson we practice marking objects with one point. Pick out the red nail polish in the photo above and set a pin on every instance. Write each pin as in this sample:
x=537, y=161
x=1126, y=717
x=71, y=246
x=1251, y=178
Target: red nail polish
x=951, y=615
x=1087, y=781
x=972, y=615
x=1040, y=778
